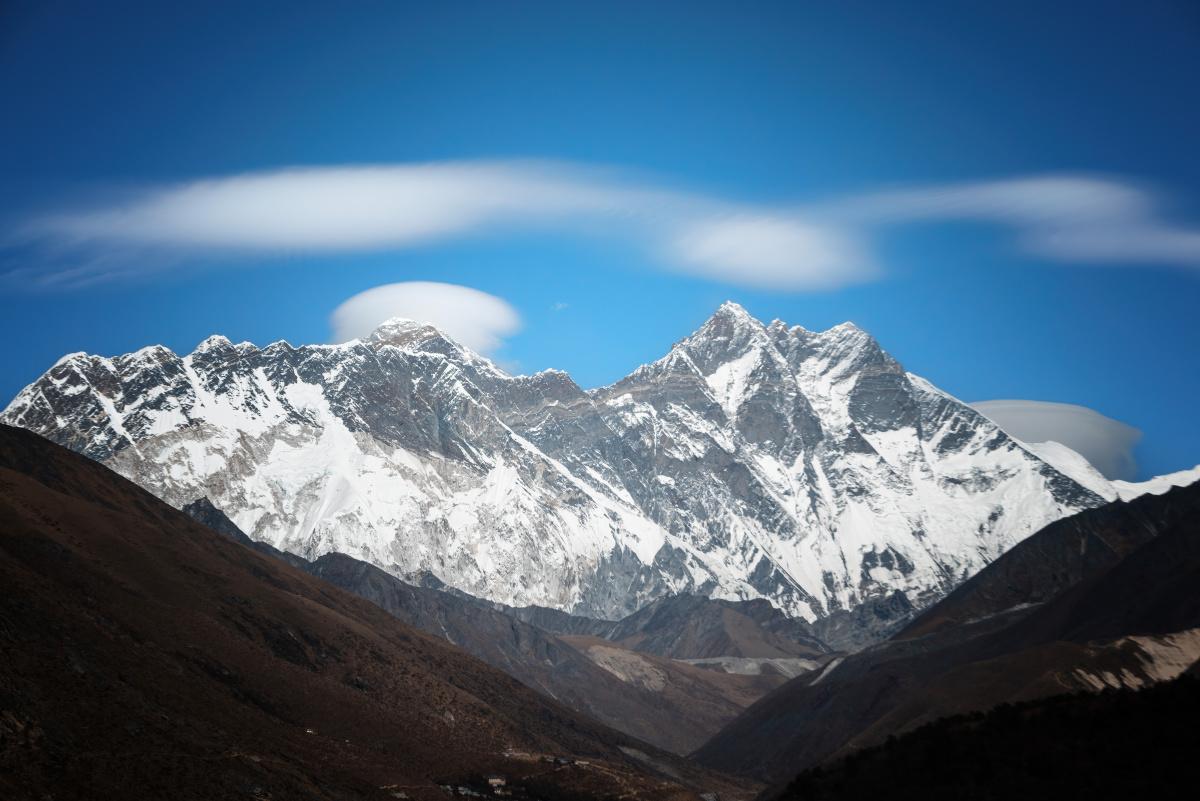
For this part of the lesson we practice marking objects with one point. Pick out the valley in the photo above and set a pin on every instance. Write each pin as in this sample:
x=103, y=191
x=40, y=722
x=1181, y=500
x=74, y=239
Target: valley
x=449, y=573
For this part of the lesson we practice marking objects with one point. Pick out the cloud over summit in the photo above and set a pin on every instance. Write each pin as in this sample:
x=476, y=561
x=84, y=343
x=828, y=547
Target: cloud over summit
x=471, y=317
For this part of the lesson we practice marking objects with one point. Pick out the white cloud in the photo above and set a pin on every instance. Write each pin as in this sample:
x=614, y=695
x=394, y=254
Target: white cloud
x=333, y=209
x=1106, y=443
x=773, y=251
x=826, y=245
x=1062, y=218
x=475, y=319
x=397, y=206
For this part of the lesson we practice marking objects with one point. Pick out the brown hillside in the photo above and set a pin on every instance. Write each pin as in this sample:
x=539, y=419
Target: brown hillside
x=144, y=656
x=702, y=700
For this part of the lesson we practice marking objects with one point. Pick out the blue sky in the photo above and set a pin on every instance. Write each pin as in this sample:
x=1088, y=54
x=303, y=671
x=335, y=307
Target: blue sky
x=1006, y=195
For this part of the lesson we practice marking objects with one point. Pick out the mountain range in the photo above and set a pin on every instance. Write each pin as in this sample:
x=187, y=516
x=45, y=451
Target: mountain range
x=753, y=461
x=772, y=550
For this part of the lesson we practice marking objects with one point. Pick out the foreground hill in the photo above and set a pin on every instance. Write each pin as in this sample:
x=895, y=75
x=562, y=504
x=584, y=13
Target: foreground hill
x=142, y=655
x=752, y=461
x=1117, y=744
x=1105, y=599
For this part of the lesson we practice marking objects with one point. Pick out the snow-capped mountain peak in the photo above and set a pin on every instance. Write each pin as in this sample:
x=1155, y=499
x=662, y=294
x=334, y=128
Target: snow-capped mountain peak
x=750, y=461
x=404, y=334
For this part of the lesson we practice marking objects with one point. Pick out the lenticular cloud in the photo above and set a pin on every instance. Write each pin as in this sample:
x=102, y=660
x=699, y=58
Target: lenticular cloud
x=474, y=318
x=1106, y=443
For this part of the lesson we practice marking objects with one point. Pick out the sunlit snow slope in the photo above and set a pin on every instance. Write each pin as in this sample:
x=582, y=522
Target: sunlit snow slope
x=751, y=461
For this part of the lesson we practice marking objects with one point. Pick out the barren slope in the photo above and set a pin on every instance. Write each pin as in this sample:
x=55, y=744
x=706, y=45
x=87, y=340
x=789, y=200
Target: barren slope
x=144, y=656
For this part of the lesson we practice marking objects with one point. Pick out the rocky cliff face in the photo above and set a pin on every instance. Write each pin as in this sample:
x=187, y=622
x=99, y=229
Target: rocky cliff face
x=751, y=461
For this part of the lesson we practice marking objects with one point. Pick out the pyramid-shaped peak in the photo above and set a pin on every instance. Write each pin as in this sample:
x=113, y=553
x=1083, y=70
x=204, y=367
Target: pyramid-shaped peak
x=216, y=342
x=732, y=310
x=847, y=329
x=77, y=356
x=729, y=334
x=399, y=324
x=151, y=354
x=730, y=320
x=403, y=333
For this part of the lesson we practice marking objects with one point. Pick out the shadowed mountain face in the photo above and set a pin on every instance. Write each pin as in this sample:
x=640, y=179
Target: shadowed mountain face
x=695, y=695
x=1106, y=599
x=692, y=627
x=142, y=655
x=678, y=713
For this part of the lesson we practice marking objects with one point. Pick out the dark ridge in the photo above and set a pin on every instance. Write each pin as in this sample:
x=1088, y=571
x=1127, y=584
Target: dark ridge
x=1115, y=744
x=691, y=627
x=678, y=719
x=1139, y=580
x=203, y=511
x=1059, y=556
x=143, y=656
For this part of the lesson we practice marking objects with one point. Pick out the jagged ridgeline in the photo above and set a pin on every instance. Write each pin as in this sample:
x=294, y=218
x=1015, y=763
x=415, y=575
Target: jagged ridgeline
x=752, y=461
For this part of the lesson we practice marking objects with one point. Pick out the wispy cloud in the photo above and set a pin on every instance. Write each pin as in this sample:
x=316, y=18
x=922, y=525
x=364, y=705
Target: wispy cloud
x=1062, y=218
x=823, y=245
x=1106, y=443
x=471, y=317
x=776, y=251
